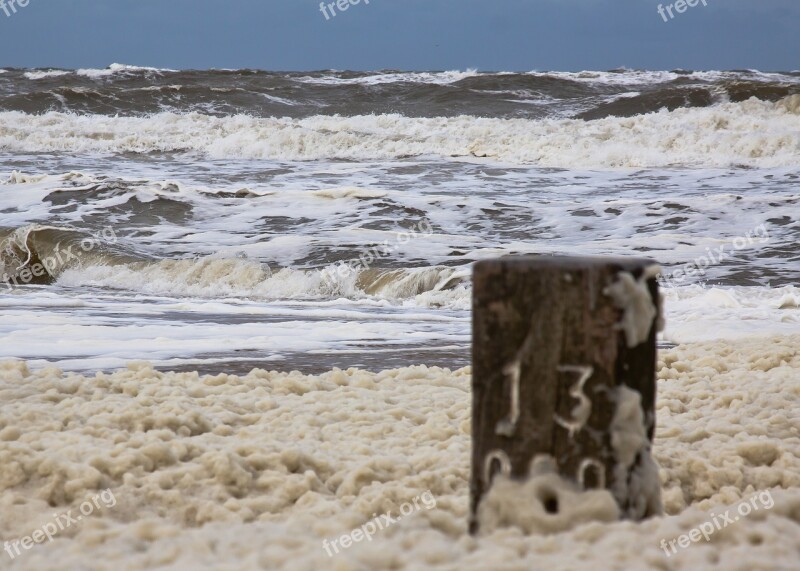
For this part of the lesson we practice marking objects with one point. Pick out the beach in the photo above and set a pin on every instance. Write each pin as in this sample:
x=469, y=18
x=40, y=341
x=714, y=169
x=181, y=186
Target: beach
x=260, y=469
x=236, y=309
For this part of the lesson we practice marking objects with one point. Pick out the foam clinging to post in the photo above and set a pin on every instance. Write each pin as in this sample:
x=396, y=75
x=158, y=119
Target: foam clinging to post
x=636, y=473
x=543, y=503
x=632, y=296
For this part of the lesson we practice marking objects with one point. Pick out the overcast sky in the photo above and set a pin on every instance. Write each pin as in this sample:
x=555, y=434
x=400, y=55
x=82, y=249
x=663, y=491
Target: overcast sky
x=403, y=34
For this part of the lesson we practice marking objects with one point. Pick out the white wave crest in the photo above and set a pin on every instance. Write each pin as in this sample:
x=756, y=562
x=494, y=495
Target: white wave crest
x=752, y=133
x=653, y=77
x=694, y=313
x=697, y=313
x=117, y=68
x=218, y=278
x=434, y=78
x=42, y=74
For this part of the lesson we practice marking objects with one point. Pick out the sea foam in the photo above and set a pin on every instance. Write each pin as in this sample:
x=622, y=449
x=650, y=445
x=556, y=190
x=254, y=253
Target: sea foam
x=229, y=460
x=752, y=133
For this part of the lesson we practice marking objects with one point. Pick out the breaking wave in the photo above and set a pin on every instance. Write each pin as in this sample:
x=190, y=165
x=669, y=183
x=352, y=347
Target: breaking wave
x=39, y=254
x=751, y=133
x=435, y=286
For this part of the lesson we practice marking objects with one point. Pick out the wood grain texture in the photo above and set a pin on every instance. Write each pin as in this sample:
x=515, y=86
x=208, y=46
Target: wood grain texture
x=546, y=341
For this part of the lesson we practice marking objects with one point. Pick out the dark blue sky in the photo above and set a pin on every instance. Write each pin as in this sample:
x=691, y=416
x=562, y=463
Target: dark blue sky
x=403, y=34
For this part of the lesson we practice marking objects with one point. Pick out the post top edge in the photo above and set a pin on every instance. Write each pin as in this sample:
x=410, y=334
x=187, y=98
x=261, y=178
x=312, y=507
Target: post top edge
x=566, y=262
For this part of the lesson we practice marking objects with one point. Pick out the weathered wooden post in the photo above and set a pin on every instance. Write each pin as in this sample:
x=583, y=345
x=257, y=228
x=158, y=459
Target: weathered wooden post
x=564, y=352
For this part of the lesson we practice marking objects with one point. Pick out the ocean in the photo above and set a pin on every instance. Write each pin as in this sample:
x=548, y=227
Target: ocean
x=230, y=198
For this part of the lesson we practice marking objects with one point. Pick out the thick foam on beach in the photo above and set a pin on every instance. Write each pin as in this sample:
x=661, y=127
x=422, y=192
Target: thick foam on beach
x=262, y=468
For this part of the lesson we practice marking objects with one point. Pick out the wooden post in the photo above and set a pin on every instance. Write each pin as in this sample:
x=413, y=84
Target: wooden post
x=554, y=340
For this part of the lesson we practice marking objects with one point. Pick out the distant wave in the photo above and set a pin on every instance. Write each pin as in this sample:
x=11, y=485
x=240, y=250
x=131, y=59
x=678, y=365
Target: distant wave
x=333, y=77
x=119, y=68
x=440, y=78
x=752, y=133
x=129, y=90
x=44, y=73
